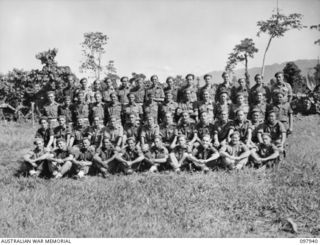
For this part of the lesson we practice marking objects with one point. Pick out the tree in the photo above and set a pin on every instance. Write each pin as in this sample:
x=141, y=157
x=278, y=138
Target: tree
x=241, y=52
x=292, y=75
x=276, y=27
x=317, y=27
x=93, y=48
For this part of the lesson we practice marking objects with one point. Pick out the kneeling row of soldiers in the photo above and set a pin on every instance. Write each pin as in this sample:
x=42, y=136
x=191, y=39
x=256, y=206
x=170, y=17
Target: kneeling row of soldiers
x=186, y=146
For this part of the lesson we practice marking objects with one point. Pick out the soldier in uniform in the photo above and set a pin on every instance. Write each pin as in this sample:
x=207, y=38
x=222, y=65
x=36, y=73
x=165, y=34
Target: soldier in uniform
x=209, y=87
x=107, y=90
x=234, y=155
x=275, y=128
x=222, y=129
x=79, y=132
x=156, y=156
x=240, y=105
x=206, y=105
x=69, y=89
x=172, y=88
x=87, y=92
x=45, y=132
x=81, y=108
x=35, y=159
x=242, y=88
x=179, y=157
x=50, y=110
x=205, y=155
x=187, y=127
x=243, y=126
x=256, y=121
x=281, y=85
x=131, y=157
x=265, y=154
x=124, y=90
x=188, y=87
x=224, y=86
x=259, y=102
x=259, y=86
x=223, y=103
x=188, y=106
x=149, y=131
x=113, y=108
x=62, y=131
x=59, y=161
x=82, y=160
x=139, y=91
x=131, y=129
x=97, y=108
x=131, y=107
x=204, y=127
x=115, y=130
x=66, y=109
x=155, y=90
x=169, y=132
x=95, y=132
x=167, y=106
x=105, y=158
x=282, y=109
x=150, y=107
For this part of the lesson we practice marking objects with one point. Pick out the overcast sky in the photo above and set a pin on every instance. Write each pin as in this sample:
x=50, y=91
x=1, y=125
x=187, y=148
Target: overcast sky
x=150, y=36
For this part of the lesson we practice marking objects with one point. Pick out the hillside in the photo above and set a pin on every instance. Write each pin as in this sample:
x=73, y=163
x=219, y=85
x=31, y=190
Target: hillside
x=270, y=70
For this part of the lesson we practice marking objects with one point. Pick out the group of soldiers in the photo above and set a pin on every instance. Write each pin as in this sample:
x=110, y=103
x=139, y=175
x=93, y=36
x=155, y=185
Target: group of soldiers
x=107, y=130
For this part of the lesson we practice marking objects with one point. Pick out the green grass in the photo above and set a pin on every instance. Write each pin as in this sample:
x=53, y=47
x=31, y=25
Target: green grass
x=220, y=204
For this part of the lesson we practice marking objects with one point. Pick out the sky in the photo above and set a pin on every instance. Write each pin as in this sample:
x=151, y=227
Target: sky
x=151, y=36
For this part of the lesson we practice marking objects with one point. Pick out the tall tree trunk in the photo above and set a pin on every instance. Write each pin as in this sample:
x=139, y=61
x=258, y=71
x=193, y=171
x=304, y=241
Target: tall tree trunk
x=246, y=74
x=264, y=55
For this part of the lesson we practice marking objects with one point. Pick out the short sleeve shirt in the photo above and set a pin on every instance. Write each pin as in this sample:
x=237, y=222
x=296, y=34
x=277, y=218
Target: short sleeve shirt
x=282, y=111
x=266, y=150
x=51, y=111
x=45, y=134
x=187, y=129
x=106, y=153
x=242, y=128
x=234, y=150
x=168, y=132
x=131, y=130
x=113, y=110
x=115, y=133
x=222, y=129
x=275, y=130
x=203, y=129
x=149, y=133
x=62, y=132
x=131, y=155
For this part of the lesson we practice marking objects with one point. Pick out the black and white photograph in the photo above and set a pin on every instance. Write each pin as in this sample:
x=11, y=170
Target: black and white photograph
x=159, y=119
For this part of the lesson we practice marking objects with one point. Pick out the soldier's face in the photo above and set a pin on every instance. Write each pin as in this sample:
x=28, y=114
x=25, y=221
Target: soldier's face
x=68, y=101
x=168, y=118
x=204, y=117
x=150, y=121
x=39, y=144
x=169, y=97
x=224, y=116
x=241, y=116
x=154, y=79
x=226, y=78
x=113, y=122
x=113, y=97
x=125, y=82
x=84, y=83
x=259, y=97
x=132, y=119
x=98, y=97
x=86, y=143
x=106, y=141
x=170, y=82
x=185, y=117
x=240, y=99
x=279, y=98
x=272, y=118
x=109, y=82
x=131, y=98
x=207, y=79
x=182, y=141
x=62, y=121
x=266, y=139
x=189, y=79
x=255, y=116
x=206, y=96
x=235, y=139
x=44, y=124
x=96, y=121
x=241, y=82
x=80, y=121
x=131, y=144
x=206, y=142
x=157, y=142
x=279, y=77
x=61, y=145
x=140, y=83
x=223, y=97
x=259, y=80
x=51, y=97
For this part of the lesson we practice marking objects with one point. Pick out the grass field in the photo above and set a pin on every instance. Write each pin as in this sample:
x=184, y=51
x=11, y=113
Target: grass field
x=238, y=204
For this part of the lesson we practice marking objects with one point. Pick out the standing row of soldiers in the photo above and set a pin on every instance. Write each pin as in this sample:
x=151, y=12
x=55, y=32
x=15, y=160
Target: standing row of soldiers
x=132, y=128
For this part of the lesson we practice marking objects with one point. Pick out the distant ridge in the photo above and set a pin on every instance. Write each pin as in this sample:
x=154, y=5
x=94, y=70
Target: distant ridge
x=270, y=70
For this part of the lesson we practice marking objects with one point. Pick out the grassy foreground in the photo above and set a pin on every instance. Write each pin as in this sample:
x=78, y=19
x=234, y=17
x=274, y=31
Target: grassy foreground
x=220, y=204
